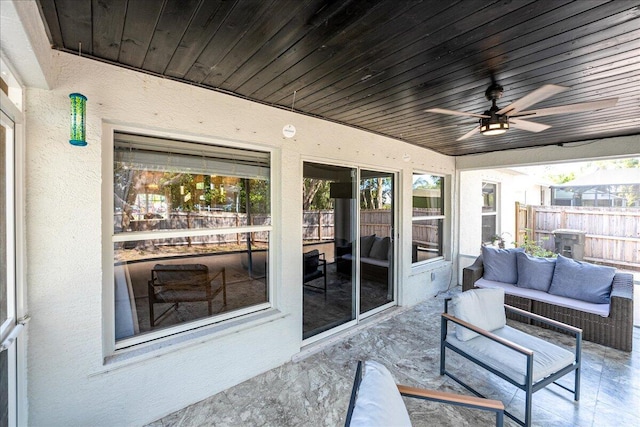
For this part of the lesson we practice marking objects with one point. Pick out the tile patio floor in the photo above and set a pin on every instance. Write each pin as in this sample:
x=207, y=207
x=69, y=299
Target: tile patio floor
x=314, y=389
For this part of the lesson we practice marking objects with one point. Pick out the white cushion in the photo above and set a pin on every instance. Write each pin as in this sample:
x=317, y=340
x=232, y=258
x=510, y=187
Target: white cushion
x=483, y=308
x=547, y=357
x=379, y=403
x=587, y=307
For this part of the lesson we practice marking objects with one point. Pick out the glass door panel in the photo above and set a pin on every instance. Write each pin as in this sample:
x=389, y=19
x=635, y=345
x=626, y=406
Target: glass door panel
x=376, y=239
x=329, y=297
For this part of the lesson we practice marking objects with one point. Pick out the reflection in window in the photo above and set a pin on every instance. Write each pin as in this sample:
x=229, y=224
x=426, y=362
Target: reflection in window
x=427, y=217
x=198, y=194
x=489, y=211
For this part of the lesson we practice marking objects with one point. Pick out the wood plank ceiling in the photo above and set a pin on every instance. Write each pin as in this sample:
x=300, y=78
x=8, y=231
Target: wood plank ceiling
x=377, y=65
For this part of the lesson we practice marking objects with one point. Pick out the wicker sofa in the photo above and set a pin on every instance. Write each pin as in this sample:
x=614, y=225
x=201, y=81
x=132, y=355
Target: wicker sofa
x=615, y=330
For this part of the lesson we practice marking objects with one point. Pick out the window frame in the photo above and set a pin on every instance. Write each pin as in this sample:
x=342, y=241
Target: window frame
x=495, y=211
x=442, y=217
x=111, y=346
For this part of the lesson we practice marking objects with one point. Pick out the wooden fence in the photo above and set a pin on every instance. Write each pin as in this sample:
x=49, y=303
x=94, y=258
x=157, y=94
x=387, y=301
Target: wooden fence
x=612, y=234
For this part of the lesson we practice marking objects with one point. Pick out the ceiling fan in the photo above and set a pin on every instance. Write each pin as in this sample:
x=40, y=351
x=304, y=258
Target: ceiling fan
x=496, y=120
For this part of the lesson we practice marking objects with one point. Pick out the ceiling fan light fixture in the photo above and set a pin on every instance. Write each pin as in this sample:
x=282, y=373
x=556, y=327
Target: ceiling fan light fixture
x=494, y=125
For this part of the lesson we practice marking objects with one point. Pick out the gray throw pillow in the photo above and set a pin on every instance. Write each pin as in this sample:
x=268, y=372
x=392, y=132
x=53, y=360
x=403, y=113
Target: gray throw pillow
x=365, y=245
x=582, y=281
x=535, y=272
x=380, y=248
x=500, y=265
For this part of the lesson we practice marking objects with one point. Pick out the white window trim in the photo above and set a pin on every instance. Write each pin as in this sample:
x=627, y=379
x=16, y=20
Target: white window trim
x=12, y=107
x=446, y=221
x=147, y=343
x=496, y=212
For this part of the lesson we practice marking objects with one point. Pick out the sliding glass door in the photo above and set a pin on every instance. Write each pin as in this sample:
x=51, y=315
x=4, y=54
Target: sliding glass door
x=348, y=246
x=376, y=240
x=329, y=212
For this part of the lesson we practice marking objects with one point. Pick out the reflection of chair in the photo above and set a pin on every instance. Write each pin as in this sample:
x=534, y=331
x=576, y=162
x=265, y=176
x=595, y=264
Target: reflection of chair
x=184, y=283
x=376, y=399
x=312, y=261
x=482, y=336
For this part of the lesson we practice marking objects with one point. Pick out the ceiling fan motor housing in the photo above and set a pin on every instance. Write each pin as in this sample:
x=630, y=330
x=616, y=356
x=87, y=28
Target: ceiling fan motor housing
x=494, y=92
x=495, y=124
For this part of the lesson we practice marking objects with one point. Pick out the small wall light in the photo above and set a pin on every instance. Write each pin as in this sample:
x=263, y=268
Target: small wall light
x=78, y=119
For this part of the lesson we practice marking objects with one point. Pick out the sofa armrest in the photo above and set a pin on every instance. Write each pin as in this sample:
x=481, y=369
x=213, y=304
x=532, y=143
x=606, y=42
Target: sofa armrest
x=622, y=286
x=472, y=273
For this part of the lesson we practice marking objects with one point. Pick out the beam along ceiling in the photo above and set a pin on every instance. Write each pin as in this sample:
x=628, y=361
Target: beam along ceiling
x=378, y=65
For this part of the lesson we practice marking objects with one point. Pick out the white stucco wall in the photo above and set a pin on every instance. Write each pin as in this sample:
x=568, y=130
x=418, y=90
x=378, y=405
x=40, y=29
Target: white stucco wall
x=69, y=291
x=512, y=187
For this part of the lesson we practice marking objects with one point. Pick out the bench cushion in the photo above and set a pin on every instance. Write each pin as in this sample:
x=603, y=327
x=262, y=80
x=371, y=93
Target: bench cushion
x=547, y=359
x=379, y=402
x=588, y=307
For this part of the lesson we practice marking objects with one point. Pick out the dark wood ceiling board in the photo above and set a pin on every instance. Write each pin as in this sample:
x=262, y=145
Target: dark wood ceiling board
x=588, y=126
x=140, y=22
x=542, y=60
x=333, y=11
x=269, y=52
x=107, y=27
x=204, y=25
x=542, y=44
x=439, y=52
x=582, y=90
x=456, y=129
x=252, y=42
x=49, y=14
x=360, y=44
x=387, y=60
x=75, y=22
x=238, y=21
x=566, y=126
x=357, y=62
x=316, y=47
x=172, y=25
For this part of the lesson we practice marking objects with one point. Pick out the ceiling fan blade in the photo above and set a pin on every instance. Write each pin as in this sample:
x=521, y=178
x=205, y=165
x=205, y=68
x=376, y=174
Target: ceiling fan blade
x=470, y=133
x=537, y=95
x=454, y=112
x=526, y=125
x=569, y=108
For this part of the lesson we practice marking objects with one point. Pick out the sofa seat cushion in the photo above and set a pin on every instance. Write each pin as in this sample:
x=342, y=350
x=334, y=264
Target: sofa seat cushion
x=372, y=261
x=547, y=359
x=588, y=307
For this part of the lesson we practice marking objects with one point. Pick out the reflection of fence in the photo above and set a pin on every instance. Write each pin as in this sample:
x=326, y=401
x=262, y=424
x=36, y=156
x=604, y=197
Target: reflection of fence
x=319, y=225
x=613, y=234
x=200, y=221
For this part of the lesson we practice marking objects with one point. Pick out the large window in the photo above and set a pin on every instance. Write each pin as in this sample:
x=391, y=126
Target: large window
x=489, y=212
x=191, y=227
x=428, y=217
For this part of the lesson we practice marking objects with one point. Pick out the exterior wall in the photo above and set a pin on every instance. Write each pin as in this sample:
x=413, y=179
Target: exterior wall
x=512, y=187
x=472, y=170
x=72, y=377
